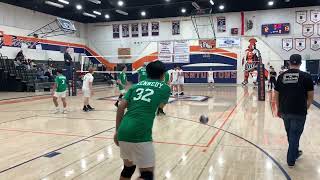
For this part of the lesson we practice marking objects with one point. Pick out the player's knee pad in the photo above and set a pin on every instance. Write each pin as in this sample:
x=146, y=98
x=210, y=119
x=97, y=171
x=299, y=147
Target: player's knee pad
x=146, y=175
x=127, y=172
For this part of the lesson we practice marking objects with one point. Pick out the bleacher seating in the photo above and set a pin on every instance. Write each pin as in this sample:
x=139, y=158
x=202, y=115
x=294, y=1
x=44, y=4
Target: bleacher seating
x=20, y=79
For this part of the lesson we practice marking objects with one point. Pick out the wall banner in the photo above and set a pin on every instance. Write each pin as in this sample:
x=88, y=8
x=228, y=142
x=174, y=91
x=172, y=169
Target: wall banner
x=125, y=30
x=228, y=42
x=145, y=29
x=315, y=43
x=301, y=16
x=165, y=51
x=300, y=44
x=221, y=24
x=135, y=30
x=181, y=52
x=155, y=28
x=175, y=27
x=307, y=30
x=116, y=30
x=287, y=44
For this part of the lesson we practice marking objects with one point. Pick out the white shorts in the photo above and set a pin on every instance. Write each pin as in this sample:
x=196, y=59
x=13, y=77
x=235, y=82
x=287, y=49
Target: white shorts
x=181, y=81
x=86, y=93
x=60, y=94
x=210, y=80
x=123, y=91
x=141, y=154
x=174, y=82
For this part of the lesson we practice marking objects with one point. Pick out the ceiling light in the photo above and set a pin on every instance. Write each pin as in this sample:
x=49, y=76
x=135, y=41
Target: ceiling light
x=120, y=3
x=195, y=5
x=211, y=2
x=143, y=13
x=270, y=3
x=183, y=10
x=221, y=7
x=95, y=1
x=89, y=15
x=97, y=13
x=287, y=1
x=54, y=4
x=107, y=16
x=78, y=6
x=64, y=1
x=122, y=12
x=167, y=0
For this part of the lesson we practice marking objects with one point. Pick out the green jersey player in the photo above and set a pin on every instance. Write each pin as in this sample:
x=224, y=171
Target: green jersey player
x=122, y=82
x=134, y=128
x=59, y=90
x=142, y=74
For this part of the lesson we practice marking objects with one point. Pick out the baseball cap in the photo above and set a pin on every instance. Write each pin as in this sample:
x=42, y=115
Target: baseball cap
x=295, y=59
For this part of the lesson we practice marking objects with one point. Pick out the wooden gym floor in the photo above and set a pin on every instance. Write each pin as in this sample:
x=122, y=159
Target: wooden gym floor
x=244, y=141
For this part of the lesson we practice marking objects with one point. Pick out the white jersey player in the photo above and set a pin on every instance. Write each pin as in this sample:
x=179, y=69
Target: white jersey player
x=180, y=81
x=210, y=79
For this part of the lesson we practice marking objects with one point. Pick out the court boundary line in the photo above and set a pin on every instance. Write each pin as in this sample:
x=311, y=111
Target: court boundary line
x=284, y=172
x=63, y=147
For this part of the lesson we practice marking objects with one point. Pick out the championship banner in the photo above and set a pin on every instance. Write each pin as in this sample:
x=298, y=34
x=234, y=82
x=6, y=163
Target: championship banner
x=175, y=27
x=165, y=51
x=155, y=28
x=182, y=52
x=300, y=44
x=301, y=16
x=116, y=30
x=125, y=30
x=145, y=29
x=1, y=39
x=315, y=43
x=221, y=24
x=307, y=30
x=135, y=30
x=287, y=44
x=315, y=16
x=228, y=42
x=207, y=44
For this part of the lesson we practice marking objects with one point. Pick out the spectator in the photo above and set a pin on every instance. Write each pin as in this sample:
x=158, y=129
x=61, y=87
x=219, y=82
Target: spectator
x=33, y=64
x=41, y=74
x=294, y=93
x=68, y=64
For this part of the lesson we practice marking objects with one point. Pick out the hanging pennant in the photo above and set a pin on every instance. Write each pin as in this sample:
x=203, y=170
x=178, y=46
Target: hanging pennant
x=155, y=28
x=315, y=16
x=221, y=24
x=125, y=30
x=300, y=44
x=287, y=44
x=145, y=29
x=175, y=27
x=319, y=29
x=301, y=17
x=307, y=30
x=135, y=30
x=116, y=30
x=315, y=43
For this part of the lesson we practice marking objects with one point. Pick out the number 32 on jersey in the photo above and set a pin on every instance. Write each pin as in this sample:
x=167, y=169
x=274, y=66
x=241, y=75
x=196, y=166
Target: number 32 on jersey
x=143, y=95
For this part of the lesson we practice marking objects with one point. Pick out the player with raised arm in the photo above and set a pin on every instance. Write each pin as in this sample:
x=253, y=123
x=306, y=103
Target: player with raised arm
x=60, y=90
x=134, y=128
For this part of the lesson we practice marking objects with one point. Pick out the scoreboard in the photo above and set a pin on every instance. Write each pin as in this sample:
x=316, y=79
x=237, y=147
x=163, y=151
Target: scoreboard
x=269, y=29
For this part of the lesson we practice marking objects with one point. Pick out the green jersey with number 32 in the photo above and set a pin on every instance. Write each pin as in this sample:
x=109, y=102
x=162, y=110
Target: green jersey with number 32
x=61, y=82
x=143, y=100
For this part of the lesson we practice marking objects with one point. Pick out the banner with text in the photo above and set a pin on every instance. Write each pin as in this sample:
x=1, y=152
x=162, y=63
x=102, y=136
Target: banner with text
x=165, y=51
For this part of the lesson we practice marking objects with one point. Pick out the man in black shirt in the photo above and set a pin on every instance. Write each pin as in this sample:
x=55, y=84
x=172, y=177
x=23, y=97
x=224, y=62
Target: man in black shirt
x=273, y=78
x=68, y=64
x=294, y=93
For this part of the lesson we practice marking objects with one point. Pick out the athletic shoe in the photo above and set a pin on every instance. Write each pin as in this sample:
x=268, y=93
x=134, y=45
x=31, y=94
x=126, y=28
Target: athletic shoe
x=160, y=112
x=181, y=94
x=64, y=111
x=90, y=108
x=56, y=111
x=299, y=154
x=85, y=109
x=291, y=166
